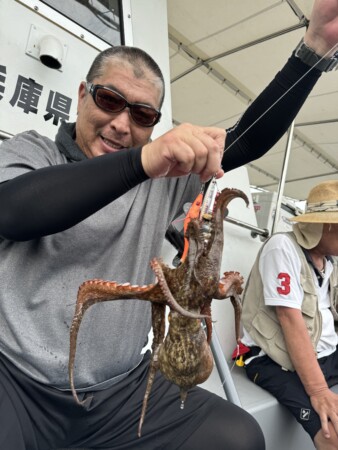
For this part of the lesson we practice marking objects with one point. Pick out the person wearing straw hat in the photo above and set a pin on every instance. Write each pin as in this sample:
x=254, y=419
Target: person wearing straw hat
x=289, y=315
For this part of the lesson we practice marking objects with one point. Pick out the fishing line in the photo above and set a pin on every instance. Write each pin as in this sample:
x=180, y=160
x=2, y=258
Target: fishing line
x=235, y=359
x=281, y=97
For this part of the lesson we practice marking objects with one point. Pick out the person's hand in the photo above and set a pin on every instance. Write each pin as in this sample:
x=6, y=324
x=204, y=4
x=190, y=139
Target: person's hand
x=183, y=150
x=325, y=403
x=322, y=33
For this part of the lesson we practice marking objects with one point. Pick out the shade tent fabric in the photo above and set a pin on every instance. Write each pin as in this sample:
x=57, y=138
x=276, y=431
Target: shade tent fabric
x=223, y=53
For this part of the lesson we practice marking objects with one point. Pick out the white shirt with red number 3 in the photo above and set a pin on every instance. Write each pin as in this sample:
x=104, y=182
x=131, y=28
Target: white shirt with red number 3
x=280, y=267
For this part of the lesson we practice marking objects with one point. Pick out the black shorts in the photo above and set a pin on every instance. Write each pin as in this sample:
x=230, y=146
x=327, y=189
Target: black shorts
x=288, y=389
x=38, y=417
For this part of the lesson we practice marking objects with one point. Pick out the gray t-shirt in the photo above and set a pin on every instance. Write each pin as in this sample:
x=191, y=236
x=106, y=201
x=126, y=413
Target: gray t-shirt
x=39, y=279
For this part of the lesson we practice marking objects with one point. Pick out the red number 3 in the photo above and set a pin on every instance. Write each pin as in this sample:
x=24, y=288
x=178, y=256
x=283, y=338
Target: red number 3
x=284, y=288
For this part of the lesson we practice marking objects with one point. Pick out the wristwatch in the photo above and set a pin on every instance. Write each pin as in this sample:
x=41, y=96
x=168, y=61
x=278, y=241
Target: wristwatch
x=310, y=57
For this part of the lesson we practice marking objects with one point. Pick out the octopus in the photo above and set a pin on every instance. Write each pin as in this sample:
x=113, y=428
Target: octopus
x=183, y=354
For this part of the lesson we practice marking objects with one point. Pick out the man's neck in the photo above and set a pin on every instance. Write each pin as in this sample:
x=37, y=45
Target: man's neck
x=318, y=259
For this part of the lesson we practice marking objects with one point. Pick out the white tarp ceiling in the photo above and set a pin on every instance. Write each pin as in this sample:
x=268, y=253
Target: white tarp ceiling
x=246, y=42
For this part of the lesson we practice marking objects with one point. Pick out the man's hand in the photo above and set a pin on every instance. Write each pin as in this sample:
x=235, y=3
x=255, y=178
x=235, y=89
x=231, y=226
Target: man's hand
x=322, y=33
x=183, y=150
x=325, y=403
x=302, y=354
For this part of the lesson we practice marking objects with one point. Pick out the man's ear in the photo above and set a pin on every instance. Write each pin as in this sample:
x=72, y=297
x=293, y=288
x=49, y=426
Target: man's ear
x=81, y=94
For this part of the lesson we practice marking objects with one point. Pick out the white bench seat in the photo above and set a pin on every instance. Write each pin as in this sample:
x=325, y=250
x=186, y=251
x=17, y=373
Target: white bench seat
x=281, y=430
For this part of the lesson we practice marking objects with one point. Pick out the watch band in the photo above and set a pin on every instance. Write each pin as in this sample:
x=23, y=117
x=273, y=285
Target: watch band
x=310, y=57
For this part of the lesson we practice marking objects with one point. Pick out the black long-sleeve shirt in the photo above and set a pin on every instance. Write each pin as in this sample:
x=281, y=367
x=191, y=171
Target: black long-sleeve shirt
x=93, y=183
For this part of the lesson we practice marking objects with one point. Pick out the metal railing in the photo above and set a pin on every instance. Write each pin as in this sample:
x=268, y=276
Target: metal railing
x=4, y=135
x=255, y=231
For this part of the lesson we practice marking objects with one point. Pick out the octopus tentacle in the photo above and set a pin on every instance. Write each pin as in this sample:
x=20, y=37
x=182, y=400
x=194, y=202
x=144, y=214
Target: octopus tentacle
x=74, y=329
x=158, y=322
x=206, y=309
x=196, y=247
x=95, y=291
x=172, y=303
x=230, y=285
x=237, y=304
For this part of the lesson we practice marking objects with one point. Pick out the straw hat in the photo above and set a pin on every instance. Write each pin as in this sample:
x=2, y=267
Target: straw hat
x=321, y=205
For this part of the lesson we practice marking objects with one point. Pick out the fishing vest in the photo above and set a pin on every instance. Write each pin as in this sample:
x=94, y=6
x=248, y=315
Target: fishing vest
x=261, y=321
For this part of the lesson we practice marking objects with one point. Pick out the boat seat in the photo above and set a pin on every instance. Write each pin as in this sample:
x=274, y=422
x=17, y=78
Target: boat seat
x=280, y=428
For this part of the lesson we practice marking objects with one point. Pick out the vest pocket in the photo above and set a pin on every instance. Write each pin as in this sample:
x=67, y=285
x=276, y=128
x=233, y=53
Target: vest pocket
x=268, y=334
x=265, y=324
x=309, y=306
x=269, y=328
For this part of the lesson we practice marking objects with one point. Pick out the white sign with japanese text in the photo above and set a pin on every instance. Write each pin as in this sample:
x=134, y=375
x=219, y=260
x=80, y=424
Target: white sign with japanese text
x=32, y=95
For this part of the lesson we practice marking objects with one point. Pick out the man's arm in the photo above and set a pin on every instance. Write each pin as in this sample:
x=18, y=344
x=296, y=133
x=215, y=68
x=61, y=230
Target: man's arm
x=245, y=142
x=55, y=198
x=304, y=359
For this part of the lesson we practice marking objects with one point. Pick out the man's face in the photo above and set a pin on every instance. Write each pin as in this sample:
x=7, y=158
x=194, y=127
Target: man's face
x=329, y=241
x=99, y=132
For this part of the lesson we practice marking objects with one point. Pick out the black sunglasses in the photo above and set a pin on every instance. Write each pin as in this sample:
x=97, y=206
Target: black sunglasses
x=111, y=101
